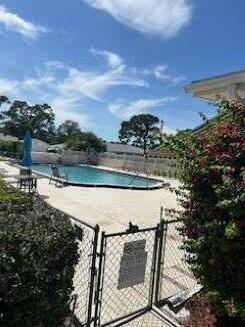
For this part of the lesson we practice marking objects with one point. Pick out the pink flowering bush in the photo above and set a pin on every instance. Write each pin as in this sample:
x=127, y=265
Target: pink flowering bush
x=213, y=202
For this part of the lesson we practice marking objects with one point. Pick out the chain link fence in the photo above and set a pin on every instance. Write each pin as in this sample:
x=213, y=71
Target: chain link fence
x=117, y=299
x=175, y=276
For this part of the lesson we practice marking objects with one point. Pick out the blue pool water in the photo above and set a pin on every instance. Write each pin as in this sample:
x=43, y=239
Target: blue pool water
x=78, y=174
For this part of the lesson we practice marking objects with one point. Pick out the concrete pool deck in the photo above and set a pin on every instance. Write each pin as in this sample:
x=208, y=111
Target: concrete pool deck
x=111, y=209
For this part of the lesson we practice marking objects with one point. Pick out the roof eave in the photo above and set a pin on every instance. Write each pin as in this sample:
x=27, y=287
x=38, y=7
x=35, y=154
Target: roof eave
x=218, y=86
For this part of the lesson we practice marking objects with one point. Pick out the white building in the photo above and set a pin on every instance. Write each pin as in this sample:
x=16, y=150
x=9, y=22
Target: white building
x=39, y=146
x=214, y=88
x=119, y=148
x=8, y=138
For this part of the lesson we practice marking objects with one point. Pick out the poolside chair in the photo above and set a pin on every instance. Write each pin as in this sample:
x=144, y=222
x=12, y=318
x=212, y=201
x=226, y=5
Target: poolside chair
x=57, y=177
x=25, y=172
x=26, y=180
x=3, y=172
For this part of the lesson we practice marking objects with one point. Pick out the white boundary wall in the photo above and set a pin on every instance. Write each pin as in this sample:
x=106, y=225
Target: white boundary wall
x=154, y=166
x=66, y=157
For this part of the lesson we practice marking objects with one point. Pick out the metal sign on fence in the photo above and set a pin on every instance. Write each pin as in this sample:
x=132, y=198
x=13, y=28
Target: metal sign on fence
x=133, y=264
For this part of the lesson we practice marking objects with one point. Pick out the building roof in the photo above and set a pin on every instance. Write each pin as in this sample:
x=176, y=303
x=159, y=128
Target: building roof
x=213, y=88
x=123, y=148
x=8, y=138
x=40, y=142
x=35, y=141
x=208, y=128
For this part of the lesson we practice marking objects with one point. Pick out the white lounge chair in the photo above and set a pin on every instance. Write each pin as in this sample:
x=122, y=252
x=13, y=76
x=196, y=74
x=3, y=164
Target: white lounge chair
x=3, y=172
x=57, y=177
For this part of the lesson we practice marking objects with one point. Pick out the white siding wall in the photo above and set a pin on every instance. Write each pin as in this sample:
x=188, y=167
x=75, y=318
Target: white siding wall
x=39, y=146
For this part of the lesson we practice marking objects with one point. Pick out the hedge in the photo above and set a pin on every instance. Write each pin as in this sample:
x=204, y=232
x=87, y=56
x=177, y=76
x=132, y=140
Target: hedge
x=37, y=259
x=11, y=148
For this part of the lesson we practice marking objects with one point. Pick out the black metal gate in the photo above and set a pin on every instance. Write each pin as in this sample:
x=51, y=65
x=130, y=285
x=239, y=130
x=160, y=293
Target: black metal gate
x=130, y=274
x=84, y=278
x=117, y=297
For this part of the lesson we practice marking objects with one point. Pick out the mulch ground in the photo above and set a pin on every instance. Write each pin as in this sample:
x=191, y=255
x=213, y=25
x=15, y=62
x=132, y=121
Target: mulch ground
x=201, y=314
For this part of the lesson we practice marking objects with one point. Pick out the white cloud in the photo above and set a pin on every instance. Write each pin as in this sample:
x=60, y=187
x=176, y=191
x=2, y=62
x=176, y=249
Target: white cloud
x=168, y=130
x=81, y=118
x=7, y=86
x=70, y=82
x=55, y=65
x=66, y=108
x=94, y=85
x=31, y=83
x=112, y=58
x=154, y=17
x=160, y=72
x=125, y=110
x=15, y=23
x=67, y=88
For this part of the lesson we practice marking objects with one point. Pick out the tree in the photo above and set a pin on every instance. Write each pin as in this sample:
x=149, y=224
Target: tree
x=3, y=99
x=66, y=130
x=141, y=131
x=85, y=141
x=20, y=117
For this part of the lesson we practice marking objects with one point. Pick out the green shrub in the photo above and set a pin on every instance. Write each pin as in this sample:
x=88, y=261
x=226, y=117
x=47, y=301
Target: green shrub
x=37, y=258
x=213, y=201
x=85, y=141
x=11, y=148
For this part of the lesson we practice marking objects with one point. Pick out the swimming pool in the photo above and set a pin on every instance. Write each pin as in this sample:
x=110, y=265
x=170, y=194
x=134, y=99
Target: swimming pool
x=91, y=176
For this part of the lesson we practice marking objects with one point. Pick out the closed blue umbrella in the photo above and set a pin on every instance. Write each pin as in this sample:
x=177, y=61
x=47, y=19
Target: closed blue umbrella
x=27, y=161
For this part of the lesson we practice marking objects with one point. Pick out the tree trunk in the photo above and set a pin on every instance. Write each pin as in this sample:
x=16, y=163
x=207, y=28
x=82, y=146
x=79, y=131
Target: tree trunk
x=145, y=149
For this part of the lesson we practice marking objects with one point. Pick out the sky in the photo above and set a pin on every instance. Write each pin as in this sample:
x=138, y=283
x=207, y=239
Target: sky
x=101, y=61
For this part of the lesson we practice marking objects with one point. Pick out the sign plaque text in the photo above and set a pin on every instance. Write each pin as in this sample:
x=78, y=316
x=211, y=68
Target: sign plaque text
x=133, y=264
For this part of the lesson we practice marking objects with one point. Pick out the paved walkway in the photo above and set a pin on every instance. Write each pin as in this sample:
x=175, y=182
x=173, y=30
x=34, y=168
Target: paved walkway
x=148, y=319
x=111, y=209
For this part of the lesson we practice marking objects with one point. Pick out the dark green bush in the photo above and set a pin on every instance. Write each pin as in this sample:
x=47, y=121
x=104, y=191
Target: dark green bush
x=11, y=148
x=37, y=258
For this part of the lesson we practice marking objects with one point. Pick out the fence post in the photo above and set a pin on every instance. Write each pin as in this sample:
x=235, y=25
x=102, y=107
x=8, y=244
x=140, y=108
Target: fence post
x=154, y=267
x=92, y=274
x=160, y=258
x=99, y=286
x=73, y=311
